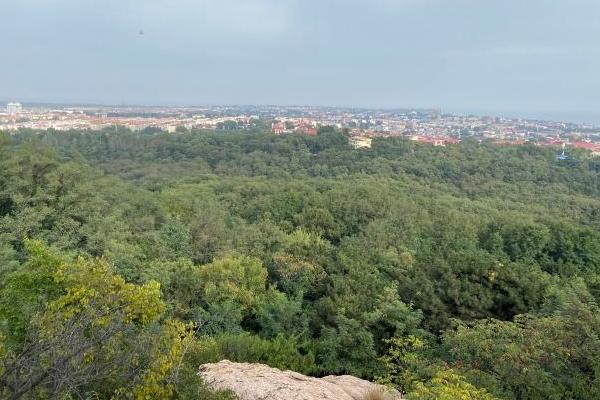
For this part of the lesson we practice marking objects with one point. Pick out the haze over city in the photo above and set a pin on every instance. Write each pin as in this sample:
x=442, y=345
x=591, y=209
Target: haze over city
x=527, y=58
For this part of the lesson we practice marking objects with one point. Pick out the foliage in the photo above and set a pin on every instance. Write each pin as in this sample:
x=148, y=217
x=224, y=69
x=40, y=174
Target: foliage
x=448, y=386
x=534, y=357
x=398, y=262
x=405, y=363
x=94, y=335
x=281, y=352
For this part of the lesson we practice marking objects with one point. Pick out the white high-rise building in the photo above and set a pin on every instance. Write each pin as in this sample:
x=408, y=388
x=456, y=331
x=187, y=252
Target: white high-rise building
x=14, y=108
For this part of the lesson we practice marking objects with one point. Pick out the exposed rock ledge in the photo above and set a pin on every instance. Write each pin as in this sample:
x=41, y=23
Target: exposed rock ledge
x=257, y=381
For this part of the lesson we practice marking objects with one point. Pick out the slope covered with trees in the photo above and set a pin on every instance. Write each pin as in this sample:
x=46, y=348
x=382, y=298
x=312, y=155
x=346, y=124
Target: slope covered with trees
x=128, y=259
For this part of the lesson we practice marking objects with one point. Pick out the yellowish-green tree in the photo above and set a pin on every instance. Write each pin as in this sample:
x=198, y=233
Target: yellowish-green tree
x=447, y=385
x=92, y=335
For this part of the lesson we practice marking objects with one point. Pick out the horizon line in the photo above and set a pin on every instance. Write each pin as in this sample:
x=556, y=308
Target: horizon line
x=458, y=111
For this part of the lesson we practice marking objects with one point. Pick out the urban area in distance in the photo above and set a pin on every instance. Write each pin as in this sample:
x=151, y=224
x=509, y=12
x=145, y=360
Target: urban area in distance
x=431, y=126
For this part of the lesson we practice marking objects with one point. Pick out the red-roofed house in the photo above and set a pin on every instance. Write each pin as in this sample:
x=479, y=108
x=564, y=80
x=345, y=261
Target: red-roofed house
x=593, y=147
x=278, y=127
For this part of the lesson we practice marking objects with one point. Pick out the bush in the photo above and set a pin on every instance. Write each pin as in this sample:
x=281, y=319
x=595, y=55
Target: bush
x=447, y=385
x=281, y=352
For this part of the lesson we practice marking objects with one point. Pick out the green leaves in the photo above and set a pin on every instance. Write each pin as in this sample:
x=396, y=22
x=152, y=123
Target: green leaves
x=77, y=327
x=241, y=280
x=279, y=352
x=448, y=385
x=27, y=291
x=466, y=267
x=533, y=357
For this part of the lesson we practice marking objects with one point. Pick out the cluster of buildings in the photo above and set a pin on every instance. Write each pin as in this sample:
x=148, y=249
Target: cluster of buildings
x=41, y=117
x=14, y=109
x=429, y=126
x=438, y=129
x=294, y=126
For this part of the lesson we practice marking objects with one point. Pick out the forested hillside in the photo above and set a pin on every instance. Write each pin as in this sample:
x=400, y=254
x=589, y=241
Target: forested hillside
x=129, y=259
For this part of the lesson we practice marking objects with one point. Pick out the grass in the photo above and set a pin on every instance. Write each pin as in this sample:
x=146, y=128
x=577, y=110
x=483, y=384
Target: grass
x=375, y=394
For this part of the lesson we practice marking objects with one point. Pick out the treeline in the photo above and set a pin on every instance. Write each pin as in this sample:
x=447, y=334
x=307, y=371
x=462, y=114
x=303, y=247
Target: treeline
x=440, y=270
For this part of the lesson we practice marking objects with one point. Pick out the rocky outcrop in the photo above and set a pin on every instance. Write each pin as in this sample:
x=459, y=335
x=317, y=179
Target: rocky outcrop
x=257, y=381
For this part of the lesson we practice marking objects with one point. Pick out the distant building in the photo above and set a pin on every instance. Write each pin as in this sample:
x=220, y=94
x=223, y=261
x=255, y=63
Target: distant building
x=594, y=148
x=306, y=129
x=14, y=108
x=360, y=142
x=310, y=131
x=435, y=140
x=278, y=128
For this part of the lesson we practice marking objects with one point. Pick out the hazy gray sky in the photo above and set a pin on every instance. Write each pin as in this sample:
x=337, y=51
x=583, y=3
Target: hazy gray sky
x=453, y=54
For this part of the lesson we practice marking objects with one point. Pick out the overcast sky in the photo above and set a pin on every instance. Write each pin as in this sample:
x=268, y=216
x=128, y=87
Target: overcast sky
x=455, y=54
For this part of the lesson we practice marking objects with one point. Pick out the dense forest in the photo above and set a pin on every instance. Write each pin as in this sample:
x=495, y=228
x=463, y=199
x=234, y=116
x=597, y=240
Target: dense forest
x=128, y=259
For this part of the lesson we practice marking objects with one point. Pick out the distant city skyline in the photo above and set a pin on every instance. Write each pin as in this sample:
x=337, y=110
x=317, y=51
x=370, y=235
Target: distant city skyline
x=579, y=117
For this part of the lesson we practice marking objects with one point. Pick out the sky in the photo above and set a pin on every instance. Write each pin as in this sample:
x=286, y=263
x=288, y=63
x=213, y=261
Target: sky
x=503, y=55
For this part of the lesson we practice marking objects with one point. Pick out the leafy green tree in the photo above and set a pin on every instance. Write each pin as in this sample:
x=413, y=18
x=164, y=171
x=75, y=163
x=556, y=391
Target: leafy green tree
x=533, y=357
x=92, y=334
x=347, y=348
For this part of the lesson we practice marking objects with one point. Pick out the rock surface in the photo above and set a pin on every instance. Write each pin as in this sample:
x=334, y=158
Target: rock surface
x=257, y=381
